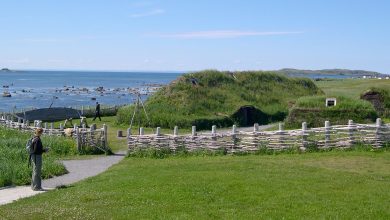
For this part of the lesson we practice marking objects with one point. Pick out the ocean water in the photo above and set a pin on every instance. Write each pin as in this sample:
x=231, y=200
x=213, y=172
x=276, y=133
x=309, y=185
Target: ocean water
x=40, y=89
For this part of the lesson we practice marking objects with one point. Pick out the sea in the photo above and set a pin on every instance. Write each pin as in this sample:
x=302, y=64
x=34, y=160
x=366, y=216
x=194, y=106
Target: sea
x=43, y=89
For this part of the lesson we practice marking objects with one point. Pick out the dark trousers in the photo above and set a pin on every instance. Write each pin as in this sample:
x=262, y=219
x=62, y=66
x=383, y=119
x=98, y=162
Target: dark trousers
x=97, y=115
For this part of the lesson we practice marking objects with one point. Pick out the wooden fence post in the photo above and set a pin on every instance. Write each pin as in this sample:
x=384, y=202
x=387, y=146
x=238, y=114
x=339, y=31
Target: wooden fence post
x=105, y=136
x=128, y=133
x=214, y=132
x=175, y=141
x=351, y=129
x=234, y=137
x=92, y=136
x=175, y=131
x=158, y=131
x=213, y=129
x=78, y=138
x=327, y=133
x=281, y=138
x=378, y=135
x=193, y=132
x=280, y=127
x=51, y=128
x=304, y=136
x=141, y=131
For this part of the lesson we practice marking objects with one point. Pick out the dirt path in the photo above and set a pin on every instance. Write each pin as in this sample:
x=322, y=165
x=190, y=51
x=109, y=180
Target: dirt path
x=78, y=170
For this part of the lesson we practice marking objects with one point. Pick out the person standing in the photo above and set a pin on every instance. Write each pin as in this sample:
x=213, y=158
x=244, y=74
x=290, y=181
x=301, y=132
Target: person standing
x=97, y=112
x=36, y=158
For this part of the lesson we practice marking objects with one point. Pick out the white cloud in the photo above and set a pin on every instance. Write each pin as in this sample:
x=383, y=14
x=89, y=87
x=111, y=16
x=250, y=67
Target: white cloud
x=148, y=13
x=225, y=34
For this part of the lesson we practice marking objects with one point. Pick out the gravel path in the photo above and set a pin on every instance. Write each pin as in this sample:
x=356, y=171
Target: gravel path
x=78, y=170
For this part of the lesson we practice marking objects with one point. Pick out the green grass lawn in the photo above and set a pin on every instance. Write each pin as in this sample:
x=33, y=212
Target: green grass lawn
x=327, y=185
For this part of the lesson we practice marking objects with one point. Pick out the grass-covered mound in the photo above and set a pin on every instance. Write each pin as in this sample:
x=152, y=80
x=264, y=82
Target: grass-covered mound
x=212, y=97
x=380, y=99
x=313, y=111
x=14, y=168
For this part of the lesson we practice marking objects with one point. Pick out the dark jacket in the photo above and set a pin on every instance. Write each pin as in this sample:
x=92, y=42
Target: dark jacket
x=37, y=146
x=98, y=108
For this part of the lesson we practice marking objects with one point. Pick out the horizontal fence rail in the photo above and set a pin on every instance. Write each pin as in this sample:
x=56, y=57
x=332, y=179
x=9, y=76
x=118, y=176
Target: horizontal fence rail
x=336, y=136
x=84, y=137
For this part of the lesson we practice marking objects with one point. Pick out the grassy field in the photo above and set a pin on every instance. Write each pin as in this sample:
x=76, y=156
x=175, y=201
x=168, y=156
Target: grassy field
x=328, y=185
x=14, y=168
x=352, y=88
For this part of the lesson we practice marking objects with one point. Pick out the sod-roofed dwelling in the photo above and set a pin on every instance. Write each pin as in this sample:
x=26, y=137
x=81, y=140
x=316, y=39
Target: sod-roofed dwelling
x=218, y=98
x=315, y=110
x=380, y=99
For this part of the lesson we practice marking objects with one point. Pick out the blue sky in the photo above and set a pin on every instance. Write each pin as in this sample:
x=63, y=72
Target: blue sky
x=193, y=35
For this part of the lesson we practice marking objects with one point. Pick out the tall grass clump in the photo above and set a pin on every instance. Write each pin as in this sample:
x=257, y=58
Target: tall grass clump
x=14, y=168
x=212, y=97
